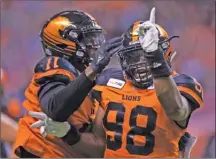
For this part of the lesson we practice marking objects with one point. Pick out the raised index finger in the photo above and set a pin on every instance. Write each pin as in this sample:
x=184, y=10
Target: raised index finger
x=152, y=15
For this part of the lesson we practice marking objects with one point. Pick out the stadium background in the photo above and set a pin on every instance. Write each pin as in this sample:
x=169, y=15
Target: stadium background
x=194, y=21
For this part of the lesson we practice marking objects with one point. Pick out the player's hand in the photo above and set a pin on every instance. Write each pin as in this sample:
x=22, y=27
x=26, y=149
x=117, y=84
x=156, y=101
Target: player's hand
x=48, y=126
x=148, y=34
x=149, y=40
x=106, y=51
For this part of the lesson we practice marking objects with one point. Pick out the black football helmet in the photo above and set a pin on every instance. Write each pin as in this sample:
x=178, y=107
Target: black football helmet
x=132, y=58
x=73, y=35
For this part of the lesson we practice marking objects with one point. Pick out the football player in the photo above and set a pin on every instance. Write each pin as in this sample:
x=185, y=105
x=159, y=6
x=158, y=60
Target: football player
x=147, y=113
x=61, y=81
x=147, y=106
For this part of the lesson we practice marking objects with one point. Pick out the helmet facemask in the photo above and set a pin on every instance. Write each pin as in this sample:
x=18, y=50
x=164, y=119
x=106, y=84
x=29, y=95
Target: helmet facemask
x=136, y=67
x=88, y=41
x=93, y=41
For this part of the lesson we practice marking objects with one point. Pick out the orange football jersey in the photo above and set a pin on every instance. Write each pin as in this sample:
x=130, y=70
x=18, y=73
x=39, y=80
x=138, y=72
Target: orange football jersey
x=135, y=122
x=49, y=69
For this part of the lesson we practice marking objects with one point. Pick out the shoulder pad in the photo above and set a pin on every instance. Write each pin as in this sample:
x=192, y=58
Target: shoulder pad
x=190, y=88
x=52, y=62
x=182, y=78
x=54, y=68
x=109, y=75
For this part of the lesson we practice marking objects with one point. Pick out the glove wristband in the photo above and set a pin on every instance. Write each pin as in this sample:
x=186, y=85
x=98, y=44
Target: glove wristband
x=162, y=71
x=72, y=137
x=158, y=65
x=98, y=68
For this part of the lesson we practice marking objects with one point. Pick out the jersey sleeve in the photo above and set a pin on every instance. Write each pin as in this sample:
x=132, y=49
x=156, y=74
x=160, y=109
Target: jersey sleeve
x=190, y=89
x=52, y=69
x=61, y=91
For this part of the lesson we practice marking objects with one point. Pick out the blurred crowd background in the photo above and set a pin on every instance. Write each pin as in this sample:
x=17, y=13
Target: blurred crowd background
x=193, y=21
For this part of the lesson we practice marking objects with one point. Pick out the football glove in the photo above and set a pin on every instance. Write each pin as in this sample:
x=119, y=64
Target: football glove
x=106, y=51
x=148, y=34
x=149, y=40
x=186, y=144
x=48, y=126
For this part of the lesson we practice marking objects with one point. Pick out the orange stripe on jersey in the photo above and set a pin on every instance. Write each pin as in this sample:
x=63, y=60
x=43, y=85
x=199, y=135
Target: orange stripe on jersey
x=192, y=93
x=53, y=72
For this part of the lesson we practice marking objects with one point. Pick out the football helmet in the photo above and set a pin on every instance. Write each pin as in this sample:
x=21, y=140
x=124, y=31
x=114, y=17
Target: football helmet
x=73, y=35
x=132, y=58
